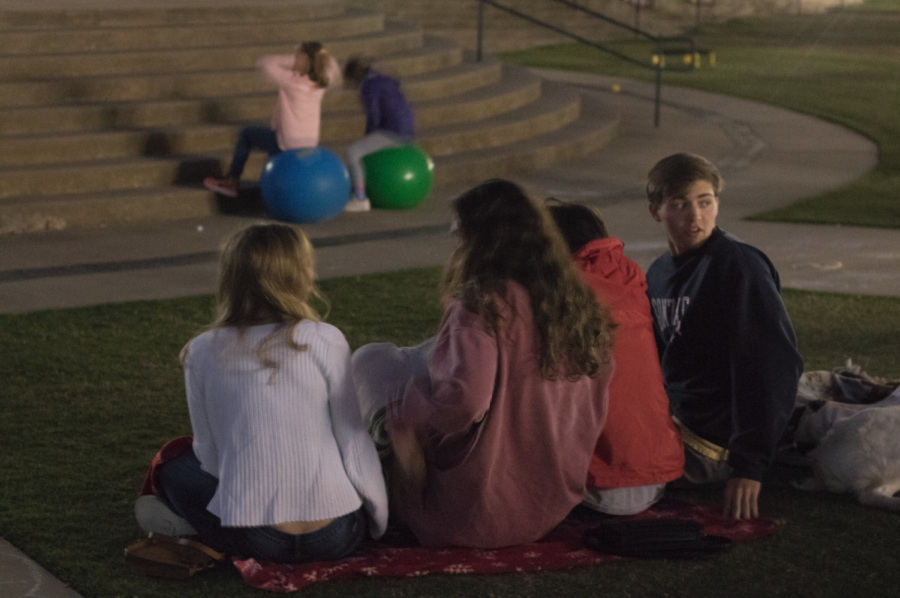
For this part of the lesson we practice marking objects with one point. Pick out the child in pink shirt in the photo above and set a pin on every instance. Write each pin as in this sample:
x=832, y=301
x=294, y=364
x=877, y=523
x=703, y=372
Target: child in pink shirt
x=302, y=80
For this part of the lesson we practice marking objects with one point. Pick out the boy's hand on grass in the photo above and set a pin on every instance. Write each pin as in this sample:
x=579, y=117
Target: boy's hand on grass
x=742, y=498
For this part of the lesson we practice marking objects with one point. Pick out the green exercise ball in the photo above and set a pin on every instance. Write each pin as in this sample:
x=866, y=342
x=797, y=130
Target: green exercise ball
x=398, y=178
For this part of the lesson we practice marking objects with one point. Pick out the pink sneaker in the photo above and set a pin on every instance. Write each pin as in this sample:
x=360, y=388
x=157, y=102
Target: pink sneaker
x=226, y=187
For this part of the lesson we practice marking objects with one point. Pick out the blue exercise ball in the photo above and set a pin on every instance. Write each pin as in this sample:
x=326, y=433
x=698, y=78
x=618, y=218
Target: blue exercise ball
x=305, y=185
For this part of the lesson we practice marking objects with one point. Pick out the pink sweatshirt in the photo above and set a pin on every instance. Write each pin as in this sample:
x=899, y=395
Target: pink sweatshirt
x=506, y=450
x=297, y=117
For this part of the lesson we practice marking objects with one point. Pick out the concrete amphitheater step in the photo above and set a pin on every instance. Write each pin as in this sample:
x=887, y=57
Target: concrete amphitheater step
x=434, y=69
x=149, y=204
x=195, y=136
x=100, y=149
x=71, y=46
x=556, y=107
x=595, y=128
x=155, y=15
x=189, y=73
x=106, y=175
x=499, y=96
x=82, y=173
x=435, y=54
x=172, y=202
x=172, y=61
x=101, y=209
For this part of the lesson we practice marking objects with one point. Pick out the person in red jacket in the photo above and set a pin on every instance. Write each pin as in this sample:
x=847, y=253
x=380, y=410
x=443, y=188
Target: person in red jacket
x=640, y=448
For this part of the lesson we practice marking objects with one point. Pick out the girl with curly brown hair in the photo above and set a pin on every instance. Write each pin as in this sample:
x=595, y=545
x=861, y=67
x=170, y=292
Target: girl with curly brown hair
x=493, y=438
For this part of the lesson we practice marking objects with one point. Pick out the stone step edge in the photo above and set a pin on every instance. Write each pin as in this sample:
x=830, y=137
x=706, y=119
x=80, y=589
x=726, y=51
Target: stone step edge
x=437, y=59
x=138, y=17
x=556, y=104
x=49, y=149
x=133, y=62
x=93, y=210
x=85, y=41
x=198, y=84
x=574, y=140
x=578, y=138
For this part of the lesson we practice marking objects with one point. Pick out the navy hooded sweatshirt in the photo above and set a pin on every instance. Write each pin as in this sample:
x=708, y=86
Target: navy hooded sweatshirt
x=727, y=348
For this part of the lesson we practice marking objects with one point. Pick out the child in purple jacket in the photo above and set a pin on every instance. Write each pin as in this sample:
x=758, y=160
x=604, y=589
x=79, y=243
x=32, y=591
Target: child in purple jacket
x=389, y=122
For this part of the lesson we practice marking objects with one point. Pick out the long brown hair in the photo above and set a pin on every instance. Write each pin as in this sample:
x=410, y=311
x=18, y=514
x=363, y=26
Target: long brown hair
x=504, y=236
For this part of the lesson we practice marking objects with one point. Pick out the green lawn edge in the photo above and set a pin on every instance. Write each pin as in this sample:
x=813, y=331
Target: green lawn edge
x=840, y=67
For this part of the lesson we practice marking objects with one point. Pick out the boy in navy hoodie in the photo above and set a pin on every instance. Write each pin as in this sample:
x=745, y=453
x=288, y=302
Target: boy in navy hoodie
x=726, y=345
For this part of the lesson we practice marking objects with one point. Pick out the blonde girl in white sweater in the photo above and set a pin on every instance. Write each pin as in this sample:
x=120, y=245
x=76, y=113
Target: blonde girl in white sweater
x=282, y=468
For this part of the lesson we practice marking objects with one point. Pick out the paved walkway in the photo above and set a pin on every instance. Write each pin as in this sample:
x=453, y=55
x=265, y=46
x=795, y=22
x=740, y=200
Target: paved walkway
x=769, y=157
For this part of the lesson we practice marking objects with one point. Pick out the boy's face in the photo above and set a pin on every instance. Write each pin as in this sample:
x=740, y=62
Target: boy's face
x=689, y=218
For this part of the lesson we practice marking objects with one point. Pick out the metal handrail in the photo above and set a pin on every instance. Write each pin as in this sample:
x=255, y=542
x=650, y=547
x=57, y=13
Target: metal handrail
x=603, y=17
x=658, y=63
x=700, y=4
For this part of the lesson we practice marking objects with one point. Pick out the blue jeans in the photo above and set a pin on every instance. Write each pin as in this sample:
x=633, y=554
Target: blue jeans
x=251, y=138
x=188, y=489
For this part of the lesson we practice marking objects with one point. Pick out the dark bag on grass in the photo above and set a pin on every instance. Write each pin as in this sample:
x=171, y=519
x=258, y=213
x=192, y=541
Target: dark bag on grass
x=175, y=558
x=655, y=538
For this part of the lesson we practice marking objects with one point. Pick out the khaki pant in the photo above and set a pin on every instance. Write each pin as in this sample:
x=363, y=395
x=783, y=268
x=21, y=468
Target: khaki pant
x=704, y=462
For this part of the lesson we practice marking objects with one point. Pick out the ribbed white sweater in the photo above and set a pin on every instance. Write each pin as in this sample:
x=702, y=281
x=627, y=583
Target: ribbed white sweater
x=286, y=443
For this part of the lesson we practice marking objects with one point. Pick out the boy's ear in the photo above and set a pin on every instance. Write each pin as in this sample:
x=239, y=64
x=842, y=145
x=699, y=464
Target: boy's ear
x=654, y=211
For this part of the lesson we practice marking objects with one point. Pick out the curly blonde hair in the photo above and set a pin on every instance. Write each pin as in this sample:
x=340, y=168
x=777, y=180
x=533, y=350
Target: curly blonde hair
x=504, y=236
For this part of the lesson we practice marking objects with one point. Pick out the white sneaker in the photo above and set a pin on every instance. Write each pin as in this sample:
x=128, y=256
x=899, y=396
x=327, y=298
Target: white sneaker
x=355, y=205
x=153, y=516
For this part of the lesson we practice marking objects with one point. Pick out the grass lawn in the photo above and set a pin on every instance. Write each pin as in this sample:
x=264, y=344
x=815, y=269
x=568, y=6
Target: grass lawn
x=842, y=67
x=89, y=394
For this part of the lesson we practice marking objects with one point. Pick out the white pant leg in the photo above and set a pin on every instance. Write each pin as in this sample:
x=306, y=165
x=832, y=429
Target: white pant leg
x=623, y=501
x=382, y=371
x=367, y=145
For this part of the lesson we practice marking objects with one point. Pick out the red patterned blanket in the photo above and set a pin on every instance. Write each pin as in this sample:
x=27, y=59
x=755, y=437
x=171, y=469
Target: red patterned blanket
x=393, y=556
